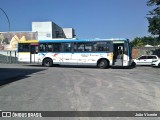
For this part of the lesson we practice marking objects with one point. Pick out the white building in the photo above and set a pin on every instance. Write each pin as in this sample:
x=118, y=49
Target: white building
x=69, y=32
x=50, y=30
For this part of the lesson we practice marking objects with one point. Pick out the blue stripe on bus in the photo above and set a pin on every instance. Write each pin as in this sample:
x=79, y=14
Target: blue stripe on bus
x=76, y=52
x=81, y=40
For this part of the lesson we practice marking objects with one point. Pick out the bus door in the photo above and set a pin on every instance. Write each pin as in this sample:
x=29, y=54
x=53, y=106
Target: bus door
x=118, y=53
x=33, y=52
x=126, y=54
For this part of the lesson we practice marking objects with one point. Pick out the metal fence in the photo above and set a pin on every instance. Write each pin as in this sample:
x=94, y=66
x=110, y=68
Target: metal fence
x=8, y=56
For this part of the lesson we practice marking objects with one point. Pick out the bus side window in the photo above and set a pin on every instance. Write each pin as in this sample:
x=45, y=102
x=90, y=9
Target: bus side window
x=56, y=47
x=67, y=47
x=94, y=47
x=88, y=46
x=100, y=48
x=23, y=47
x=80, y=47
x=42, y=47
x=75, y=47
x=49, y=47
x=36, y=49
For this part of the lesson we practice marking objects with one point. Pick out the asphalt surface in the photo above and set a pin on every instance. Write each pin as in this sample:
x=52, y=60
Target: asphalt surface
x=36, y=88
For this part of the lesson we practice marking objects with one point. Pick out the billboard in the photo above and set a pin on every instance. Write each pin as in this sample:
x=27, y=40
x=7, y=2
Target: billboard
x=9, y=40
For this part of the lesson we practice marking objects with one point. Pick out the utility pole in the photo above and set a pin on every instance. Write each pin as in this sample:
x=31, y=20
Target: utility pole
x=7, y=19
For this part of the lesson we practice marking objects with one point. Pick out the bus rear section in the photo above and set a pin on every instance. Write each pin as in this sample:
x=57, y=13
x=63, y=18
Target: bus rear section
x=28, y=51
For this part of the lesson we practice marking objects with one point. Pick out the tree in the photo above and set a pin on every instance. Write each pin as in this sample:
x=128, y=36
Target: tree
x=154, y=18
x=142, y=41
x=137, y=42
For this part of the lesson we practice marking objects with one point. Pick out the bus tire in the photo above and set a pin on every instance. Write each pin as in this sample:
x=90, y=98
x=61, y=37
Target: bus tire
x=47, y=62
x=103, y=64
x=133, y=64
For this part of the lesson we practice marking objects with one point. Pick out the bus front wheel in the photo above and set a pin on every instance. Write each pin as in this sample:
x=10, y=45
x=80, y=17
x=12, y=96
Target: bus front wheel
x=47, y=62
x=103, y=64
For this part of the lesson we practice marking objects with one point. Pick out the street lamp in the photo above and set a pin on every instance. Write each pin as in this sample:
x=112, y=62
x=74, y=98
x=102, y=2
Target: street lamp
x=6, y=17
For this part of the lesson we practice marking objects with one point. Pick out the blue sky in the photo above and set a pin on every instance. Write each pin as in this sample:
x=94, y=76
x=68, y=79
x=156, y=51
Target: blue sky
x=89, y=18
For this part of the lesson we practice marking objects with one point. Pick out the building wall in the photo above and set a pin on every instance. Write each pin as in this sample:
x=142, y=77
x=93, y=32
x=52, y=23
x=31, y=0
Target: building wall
x=9, y=40
x=50, y=30
x=57, y=31
x=138, y=51
x=44, y=29
x=69, y=32
x=40, y=30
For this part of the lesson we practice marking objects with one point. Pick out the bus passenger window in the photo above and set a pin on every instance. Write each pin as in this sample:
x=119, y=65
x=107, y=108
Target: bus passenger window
x=88, y=46
x=101, y=46
x=75, y=47
x=42, y=47
x=49, y=48
x=67, y=47
x=23, y=47
x=80, y=47
x=56, y=47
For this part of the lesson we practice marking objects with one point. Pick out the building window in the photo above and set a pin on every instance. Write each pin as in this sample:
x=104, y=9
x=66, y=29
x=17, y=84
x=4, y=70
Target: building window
x=59, y=34
x=48, y=35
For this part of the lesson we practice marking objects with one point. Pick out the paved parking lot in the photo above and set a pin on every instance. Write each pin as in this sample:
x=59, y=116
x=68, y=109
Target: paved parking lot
x=31, y=87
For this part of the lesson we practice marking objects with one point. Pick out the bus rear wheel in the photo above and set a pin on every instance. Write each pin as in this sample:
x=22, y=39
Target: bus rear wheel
x=133, y=64
x=47, y=62
x=103, y=64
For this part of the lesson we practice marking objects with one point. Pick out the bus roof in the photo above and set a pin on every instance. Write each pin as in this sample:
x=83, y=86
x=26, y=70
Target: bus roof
x=28, y=41
x=82, y=40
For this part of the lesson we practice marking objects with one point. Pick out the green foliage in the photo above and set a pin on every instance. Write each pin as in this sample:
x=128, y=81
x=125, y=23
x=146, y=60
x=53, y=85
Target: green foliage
x=154, y=18
x=142, y=41
x=154, y=27
x=153, y=2
x=137, y=42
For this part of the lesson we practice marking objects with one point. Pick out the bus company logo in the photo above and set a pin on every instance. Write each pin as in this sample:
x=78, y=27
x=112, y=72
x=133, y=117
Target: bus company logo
x=55, y=54
x=84, y=55
x=6, y=114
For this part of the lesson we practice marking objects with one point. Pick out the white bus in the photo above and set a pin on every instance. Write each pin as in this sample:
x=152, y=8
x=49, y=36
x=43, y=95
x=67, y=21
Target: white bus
x=102, y=53
x=27, y=51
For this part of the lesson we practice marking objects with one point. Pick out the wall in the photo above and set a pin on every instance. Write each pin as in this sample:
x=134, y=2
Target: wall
x=138, y=51
x=50, y=30
x=9, y=40
x=44, y=29
x=69, y=32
